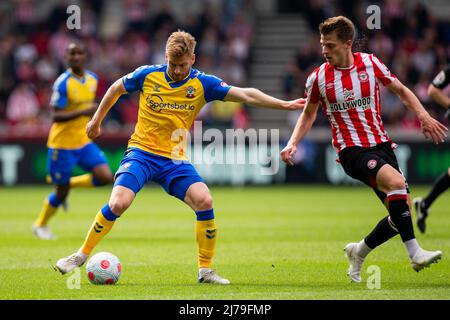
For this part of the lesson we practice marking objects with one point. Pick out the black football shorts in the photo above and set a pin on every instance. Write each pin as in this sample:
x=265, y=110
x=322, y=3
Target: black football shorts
x=363, y=163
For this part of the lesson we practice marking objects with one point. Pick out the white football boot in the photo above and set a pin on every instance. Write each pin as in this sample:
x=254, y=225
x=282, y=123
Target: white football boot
x=207, y=275
x=43, y=233
x=423, y=259
x=65, y=265
x=355, y=262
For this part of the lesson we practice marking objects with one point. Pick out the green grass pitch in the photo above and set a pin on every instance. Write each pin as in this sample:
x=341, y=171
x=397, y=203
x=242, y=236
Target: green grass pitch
x=274, y=243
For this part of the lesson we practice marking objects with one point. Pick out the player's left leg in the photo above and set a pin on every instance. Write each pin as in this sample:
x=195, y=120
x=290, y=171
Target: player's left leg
x=392, y=182
x=422, y=206
x=199, y=199
x=184, y=183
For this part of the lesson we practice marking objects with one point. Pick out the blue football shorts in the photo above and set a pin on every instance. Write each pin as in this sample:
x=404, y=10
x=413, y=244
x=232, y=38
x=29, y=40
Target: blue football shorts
x=60, y=162
x=139, y=167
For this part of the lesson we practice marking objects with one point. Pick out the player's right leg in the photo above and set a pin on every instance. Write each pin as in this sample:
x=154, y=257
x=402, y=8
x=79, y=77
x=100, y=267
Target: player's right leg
x=130, y=178
x=121, y=198
x=40, y=227
x=59, y=168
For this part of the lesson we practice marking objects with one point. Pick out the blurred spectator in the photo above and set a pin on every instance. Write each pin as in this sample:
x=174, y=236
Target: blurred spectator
x=22, y=106
x=136, y=13
x=32, y=49
x=413, y=43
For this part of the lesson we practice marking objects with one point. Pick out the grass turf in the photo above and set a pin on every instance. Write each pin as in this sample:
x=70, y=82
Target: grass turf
x=274, y=243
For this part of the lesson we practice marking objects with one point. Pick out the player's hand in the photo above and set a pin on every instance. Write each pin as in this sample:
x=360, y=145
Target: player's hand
x=287, y=153
x=93, y=129
x=433, y=129
x=296, y=104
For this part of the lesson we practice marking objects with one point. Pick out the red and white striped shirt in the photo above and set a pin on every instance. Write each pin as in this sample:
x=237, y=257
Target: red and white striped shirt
x=350, y=98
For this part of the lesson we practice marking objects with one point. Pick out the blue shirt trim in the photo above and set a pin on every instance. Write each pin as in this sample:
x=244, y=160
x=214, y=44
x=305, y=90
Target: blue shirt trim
x=134, y=81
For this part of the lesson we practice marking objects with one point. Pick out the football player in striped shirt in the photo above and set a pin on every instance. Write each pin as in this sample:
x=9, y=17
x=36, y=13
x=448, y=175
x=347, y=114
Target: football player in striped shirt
x=171, y=95
x=347, y=88
x=422, y=206
x=68, y=144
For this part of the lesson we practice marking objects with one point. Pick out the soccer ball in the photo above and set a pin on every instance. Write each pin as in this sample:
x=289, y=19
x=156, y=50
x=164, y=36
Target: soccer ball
x=103, y=268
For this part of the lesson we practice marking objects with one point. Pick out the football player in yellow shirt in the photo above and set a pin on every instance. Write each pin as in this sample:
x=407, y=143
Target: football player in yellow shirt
x=68, y=144
x=171, y=95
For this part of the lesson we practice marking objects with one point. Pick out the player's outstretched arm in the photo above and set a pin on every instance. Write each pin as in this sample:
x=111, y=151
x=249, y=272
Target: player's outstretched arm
x=257, y=98
x=431, y=128
x=304, y=124
x=109, y=99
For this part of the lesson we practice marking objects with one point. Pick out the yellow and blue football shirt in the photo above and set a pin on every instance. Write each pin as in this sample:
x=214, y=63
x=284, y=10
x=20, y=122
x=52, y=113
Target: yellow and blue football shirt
x=70, y=93
x=168, y=108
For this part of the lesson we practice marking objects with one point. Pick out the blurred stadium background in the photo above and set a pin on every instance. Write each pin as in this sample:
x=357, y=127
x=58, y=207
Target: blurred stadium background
x=268, y=44
x=278, y=242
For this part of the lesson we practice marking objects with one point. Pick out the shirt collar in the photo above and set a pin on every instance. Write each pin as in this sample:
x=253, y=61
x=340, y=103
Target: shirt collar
x=173, y=83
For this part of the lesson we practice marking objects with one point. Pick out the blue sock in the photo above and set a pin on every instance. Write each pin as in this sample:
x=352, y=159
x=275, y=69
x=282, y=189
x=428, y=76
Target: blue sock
x=53, y=200
x=205, y=215
x=108, y=214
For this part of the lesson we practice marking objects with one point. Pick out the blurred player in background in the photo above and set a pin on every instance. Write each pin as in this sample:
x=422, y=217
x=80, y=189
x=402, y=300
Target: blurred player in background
x=347, y=87
x=422, y=206
x=68, y=144
x=171, y=95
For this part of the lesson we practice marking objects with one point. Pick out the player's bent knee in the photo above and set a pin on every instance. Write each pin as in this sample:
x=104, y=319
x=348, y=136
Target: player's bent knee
x=118, y=205
x=397, y=184
x=204, y=202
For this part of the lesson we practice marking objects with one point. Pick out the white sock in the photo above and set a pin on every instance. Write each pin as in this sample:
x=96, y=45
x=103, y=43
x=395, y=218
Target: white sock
x=362, y=249
x=412, y=246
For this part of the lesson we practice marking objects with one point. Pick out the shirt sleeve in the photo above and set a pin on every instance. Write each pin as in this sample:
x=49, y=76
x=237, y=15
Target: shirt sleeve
x=312, y=92
x=135, y=80
x=214, y=87
x=442, y=79
x=59, y=93
x=382, y=72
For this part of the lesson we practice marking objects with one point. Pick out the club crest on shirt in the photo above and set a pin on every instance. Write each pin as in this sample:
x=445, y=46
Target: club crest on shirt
x=363, y=76
x=372, y=164
x=156, y=88
x=190, y=92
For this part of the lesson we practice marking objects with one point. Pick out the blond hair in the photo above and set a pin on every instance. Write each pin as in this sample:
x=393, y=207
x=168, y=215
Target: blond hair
x=180, y=43
x=345, y=30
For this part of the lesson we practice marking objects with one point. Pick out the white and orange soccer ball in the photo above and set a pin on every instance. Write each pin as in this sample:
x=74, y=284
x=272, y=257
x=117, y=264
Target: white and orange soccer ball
x=103, y=268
